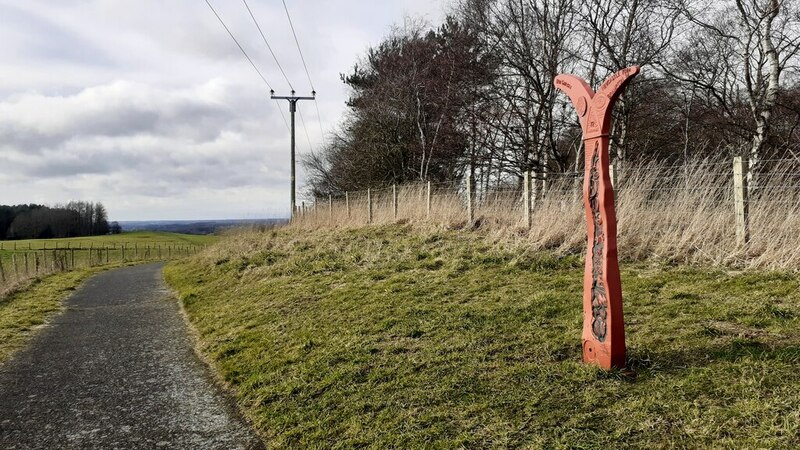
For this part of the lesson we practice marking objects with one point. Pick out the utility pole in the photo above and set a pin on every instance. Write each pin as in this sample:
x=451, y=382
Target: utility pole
x=292, y=109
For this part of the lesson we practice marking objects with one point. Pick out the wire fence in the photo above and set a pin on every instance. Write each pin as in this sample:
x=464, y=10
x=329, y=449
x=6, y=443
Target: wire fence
x=682, y=212
x=22, y=263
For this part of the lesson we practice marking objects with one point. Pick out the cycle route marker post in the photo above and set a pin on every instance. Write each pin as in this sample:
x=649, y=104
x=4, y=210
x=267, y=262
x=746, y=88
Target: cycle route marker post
x=603, y=324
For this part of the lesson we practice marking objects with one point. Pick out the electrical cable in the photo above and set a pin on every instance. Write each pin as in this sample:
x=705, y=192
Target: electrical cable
x=269, y=47
x=305, y=67
x=248, y=59
x=297, y=42
x=283, y=116
x=305, y=130
x=239, y=45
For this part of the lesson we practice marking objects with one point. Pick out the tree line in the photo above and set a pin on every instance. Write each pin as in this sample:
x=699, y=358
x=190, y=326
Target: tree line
x=473, y=98
x=74, y=219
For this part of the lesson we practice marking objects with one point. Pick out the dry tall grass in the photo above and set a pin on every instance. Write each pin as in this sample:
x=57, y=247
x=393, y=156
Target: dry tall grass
x=677, y=213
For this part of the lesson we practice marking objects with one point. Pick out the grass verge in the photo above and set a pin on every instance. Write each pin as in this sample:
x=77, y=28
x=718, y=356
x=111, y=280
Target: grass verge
x=386, y=337
x=28, y=308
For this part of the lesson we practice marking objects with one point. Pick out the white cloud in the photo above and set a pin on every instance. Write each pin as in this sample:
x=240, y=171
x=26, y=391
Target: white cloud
x=149, y=107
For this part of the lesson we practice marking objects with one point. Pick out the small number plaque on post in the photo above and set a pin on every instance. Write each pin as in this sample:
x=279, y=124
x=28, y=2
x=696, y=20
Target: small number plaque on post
x=603, y=326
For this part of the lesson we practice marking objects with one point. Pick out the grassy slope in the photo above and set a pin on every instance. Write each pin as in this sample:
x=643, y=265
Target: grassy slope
x=384, y=337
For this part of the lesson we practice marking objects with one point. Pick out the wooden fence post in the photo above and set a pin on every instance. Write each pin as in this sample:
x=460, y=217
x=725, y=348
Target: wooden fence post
x=2, y=272
x=347, y=203
x=330, y=209
x=612, y=173
x=369, y=206
x=14, y=261
x=544, y=179
x=26, y=263
x=394, y=200
x=527, y=199
x=428, y=202
x=470, y=205
x=741, y=201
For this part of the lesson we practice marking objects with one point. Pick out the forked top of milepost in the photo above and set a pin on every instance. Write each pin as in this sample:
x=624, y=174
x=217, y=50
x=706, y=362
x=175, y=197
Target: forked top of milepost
x=594, y=109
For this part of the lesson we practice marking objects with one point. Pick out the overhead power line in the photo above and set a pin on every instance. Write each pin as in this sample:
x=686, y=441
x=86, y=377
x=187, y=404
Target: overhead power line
x=297, y=42
x=305, y=130
x=283, y=116
x=269, y=47
x=239, y=45
x=248, y=59
x=319, y=121
x=308, y=74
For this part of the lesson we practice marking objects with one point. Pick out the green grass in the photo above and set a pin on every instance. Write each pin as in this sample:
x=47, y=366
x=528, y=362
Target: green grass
x=390, y=338
x=135, y=237
x=21, y=260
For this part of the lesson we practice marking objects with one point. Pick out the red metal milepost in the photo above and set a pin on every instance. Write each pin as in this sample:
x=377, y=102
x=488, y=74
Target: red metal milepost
x=603, y=324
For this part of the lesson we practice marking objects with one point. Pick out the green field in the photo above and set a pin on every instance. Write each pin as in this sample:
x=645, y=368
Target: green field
x=388, y=337
x=21, y=260
x=113, y=240
x=30, y=296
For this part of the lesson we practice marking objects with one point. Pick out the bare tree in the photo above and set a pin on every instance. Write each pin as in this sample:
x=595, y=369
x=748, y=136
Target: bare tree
x=625, y=33
x=736, y=54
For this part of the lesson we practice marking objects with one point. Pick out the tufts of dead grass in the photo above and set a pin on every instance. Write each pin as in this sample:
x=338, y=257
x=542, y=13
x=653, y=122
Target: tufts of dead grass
x=680, y=214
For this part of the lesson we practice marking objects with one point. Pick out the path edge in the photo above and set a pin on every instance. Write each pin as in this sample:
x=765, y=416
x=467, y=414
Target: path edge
x=227, y=390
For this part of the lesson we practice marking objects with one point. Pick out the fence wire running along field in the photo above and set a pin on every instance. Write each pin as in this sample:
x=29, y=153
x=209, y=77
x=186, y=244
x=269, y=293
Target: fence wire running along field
x=20, y=263
x=687, y=213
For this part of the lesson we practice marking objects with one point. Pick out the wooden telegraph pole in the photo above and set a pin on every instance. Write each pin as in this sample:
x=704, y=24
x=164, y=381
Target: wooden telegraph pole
x=292, y=99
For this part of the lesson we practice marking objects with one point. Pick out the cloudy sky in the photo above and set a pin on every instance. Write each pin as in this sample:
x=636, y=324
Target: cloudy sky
x=149, y=107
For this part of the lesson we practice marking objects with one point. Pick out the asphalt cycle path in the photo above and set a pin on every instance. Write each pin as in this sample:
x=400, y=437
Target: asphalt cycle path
x=117, y=369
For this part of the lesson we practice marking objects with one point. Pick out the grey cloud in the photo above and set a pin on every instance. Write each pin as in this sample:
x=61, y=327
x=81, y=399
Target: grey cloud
x=149, y=107
x=51, y=41
x=35, y=123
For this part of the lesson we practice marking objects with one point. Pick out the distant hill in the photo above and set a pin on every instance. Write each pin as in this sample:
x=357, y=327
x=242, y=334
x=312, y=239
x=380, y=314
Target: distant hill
x=194, y=226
